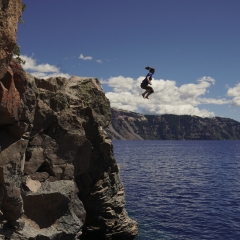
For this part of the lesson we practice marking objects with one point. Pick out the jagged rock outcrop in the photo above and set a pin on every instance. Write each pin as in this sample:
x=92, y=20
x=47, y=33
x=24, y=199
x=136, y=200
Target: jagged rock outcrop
x=58, y=175
x=10, y=12
x=135, y=126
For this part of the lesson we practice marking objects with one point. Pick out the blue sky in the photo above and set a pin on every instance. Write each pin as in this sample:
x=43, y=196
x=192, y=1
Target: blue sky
x=194, y=45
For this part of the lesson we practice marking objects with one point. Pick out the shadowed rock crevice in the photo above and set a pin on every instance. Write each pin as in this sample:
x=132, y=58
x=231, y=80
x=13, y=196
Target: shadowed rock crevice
x=45, y=167
x=42, y=211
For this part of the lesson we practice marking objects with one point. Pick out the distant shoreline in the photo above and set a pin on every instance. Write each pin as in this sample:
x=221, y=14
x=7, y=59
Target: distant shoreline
x=128, y=125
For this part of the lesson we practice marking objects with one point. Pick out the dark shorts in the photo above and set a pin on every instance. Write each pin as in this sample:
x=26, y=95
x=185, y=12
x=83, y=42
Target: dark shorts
x=148, y=88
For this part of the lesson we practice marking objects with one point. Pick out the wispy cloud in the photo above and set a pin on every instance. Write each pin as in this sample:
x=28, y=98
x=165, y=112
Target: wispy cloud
x=43, y=70
x=85, y=58
x=68, y=58
x=167, y=98
x=89, y=58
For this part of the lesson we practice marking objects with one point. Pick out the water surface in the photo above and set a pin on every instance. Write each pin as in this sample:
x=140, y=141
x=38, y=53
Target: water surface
x=182, y=189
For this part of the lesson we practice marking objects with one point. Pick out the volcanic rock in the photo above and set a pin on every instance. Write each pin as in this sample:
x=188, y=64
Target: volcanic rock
x=58, y=175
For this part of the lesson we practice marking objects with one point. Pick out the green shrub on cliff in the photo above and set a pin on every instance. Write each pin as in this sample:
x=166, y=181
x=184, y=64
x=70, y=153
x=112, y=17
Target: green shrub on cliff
x=17, y=53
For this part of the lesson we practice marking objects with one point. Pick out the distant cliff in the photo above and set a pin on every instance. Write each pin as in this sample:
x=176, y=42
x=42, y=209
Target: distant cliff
x=134, y=126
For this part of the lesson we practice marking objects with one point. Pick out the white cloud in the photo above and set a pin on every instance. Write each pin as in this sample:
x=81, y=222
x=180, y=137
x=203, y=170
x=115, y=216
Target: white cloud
x=119, y=84
x=220, y=101
x=89, y=58
x=235, y=93
x=45, y=75
x=41, y=70
x=195, y=90
x=167, y=97
x=85, y=58
x=32, y=65
x=236, y=101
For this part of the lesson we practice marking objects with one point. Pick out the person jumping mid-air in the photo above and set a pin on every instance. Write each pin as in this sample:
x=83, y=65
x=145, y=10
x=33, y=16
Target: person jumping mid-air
x=145, y=83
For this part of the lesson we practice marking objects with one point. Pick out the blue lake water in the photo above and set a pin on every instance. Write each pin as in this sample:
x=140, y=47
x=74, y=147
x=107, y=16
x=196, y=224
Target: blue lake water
x=182, y=189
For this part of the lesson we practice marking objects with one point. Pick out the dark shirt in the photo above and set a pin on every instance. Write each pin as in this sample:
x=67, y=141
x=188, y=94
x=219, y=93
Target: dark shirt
x=145, y=81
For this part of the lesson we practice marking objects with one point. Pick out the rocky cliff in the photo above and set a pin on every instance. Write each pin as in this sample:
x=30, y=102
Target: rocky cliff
x=134, y=126
x=58, y=175
x=11, y=10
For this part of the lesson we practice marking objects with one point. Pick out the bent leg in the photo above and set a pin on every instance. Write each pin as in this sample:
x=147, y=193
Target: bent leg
x=150, y=91
x=144, y=93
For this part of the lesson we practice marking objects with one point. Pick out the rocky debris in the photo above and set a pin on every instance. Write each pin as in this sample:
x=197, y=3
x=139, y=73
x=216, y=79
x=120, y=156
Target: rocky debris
x=134, y=126
x=58, y=175
x=10, y=12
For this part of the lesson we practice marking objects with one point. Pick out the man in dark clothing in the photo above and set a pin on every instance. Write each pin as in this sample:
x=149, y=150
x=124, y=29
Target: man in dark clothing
x=145, y=83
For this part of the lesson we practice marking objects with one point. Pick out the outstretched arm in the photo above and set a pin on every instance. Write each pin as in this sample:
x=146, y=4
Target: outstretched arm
x=149, y=81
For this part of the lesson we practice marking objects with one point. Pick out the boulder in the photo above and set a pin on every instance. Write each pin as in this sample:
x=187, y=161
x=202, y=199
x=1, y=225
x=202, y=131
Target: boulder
x=52, y=210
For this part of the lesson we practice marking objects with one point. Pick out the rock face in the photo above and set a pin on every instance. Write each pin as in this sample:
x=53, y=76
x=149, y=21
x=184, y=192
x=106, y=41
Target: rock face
x=10, y=12
x=58, y=175
x=134, y=126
